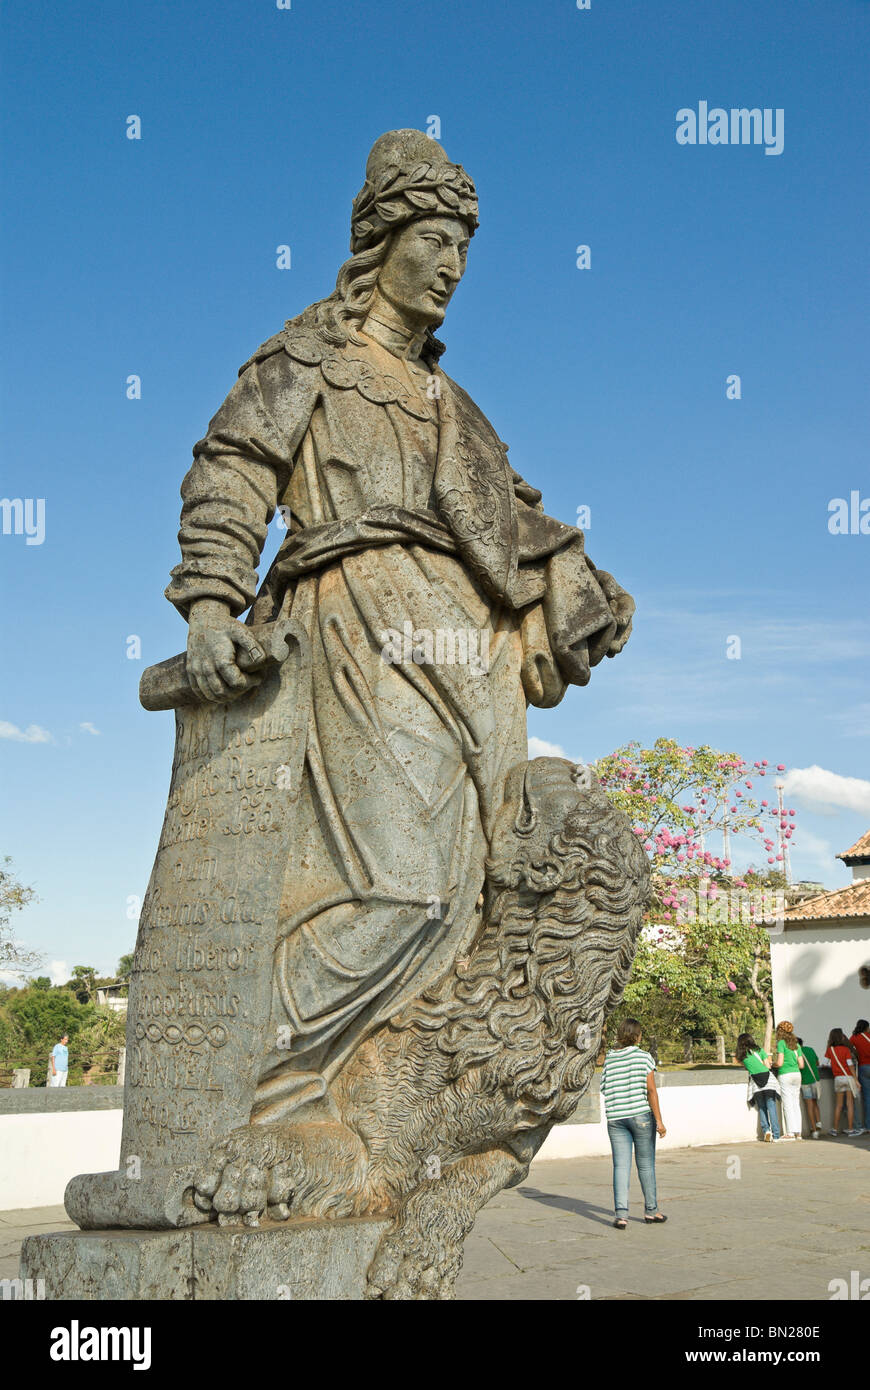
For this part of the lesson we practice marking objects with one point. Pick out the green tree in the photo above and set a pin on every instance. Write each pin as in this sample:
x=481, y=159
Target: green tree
x=99, y=1041
x=700, y=979
x=83, y=982
x=36, y=1019
x=125, y=967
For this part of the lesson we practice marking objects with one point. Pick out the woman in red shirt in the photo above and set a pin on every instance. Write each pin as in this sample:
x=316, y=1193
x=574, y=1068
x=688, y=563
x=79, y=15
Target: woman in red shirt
x=843, y=1061
x=860, y=1040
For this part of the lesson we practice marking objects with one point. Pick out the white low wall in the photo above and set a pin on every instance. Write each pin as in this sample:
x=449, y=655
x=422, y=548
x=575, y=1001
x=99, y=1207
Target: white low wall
x=692, y=1115
x=40, y=1153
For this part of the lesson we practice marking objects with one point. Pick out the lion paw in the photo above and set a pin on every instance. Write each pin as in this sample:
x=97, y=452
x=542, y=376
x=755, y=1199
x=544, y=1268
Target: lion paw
x=419, y=1258
x=398, y=1273
x=314, y=1169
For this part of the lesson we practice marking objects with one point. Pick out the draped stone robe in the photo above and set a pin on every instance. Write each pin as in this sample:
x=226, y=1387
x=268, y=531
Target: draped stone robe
x=404, y=517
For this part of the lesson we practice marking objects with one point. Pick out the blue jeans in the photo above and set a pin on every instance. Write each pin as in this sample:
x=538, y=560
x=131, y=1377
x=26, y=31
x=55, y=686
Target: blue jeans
x=766, y=1107
x=864, y=1081
x=639, y=1130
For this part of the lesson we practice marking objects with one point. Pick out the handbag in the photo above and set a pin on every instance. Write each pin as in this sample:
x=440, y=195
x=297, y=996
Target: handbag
x=853, y=1084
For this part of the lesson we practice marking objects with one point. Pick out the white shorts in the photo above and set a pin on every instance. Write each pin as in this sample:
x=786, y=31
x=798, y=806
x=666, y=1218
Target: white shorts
x=841, y=1083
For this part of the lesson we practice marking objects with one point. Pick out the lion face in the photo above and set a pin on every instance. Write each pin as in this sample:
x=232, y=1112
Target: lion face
x=542, y=798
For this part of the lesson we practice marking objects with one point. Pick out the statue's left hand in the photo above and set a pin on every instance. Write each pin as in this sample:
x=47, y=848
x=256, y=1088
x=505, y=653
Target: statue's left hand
x=621, y=605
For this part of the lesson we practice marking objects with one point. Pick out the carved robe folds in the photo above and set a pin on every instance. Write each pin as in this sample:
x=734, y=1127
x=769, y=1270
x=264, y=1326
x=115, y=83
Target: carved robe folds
x=402, y=510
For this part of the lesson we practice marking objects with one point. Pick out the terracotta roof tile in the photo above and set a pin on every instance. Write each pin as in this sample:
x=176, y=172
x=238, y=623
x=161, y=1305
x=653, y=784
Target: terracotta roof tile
x=852, y=901
x=860, y=849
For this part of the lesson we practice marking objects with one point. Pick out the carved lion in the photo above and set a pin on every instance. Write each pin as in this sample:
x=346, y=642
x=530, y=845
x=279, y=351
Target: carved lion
x=449, y=1102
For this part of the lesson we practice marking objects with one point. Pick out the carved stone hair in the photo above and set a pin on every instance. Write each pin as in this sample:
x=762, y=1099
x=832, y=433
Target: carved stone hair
x=409, y=176
x=541, y=970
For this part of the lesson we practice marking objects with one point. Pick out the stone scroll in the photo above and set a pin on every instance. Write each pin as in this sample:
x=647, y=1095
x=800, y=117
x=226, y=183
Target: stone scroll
x=200, y=988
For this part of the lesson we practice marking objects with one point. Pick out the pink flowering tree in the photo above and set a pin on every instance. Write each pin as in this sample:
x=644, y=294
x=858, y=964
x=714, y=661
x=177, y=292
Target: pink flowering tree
x=705, y=954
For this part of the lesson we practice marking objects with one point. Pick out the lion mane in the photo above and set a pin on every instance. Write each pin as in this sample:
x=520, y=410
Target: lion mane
x=526, y=1009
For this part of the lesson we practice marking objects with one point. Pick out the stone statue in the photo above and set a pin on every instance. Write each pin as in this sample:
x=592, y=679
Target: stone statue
x=378, y=944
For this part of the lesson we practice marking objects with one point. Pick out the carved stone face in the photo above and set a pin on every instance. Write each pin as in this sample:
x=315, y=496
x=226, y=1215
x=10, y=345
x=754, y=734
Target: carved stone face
x=424, y=265
x=539, y=797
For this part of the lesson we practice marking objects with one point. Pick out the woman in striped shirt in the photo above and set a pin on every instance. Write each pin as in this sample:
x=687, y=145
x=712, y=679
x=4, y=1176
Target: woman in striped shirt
x=631, y=1103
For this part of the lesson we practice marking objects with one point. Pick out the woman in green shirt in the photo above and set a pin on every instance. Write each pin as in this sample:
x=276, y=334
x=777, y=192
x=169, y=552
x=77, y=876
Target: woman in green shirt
x=762, y=1086
x=810, y=1088
x=789, y=1062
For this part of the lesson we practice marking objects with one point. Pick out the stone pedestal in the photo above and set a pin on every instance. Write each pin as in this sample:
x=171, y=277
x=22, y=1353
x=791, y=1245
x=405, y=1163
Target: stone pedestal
x=307, y=1260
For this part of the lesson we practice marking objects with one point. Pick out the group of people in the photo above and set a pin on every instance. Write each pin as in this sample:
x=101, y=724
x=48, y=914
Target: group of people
x=791, y=1072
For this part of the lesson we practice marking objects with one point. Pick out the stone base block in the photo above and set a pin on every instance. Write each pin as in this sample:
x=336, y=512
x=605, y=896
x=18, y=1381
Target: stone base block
x=292, y=1260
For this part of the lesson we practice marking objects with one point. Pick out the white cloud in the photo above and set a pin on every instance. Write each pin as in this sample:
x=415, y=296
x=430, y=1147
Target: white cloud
x=88, y=728
x=58, y=972
x=540, y=748
x=32, y=734
x=825, y=790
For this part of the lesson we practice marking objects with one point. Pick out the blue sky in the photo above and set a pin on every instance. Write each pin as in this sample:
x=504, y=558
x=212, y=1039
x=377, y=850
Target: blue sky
x=157, y=257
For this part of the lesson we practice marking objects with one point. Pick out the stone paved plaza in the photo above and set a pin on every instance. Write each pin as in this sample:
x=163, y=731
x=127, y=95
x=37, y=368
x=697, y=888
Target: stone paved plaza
x=803, y=1208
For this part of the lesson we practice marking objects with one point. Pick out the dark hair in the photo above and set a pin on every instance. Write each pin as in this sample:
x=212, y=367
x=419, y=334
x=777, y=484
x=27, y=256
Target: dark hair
x=837, y=1038
x=861, y=1026
x=745, y=1044
x=628, y=1033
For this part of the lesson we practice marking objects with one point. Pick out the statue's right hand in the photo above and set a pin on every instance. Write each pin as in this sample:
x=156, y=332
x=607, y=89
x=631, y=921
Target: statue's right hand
x=220, y=653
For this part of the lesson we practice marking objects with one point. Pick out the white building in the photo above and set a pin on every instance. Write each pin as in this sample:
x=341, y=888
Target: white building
x=818, y=957
x=113, y=996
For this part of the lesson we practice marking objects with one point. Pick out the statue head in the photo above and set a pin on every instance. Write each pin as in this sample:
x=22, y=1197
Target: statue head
x=409, y=177
x=411, y=224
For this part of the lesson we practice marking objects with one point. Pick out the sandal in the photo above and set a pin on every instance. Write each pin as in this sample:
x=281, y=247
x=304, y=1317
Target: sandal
x=658, y=1220
x=621, y=1224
